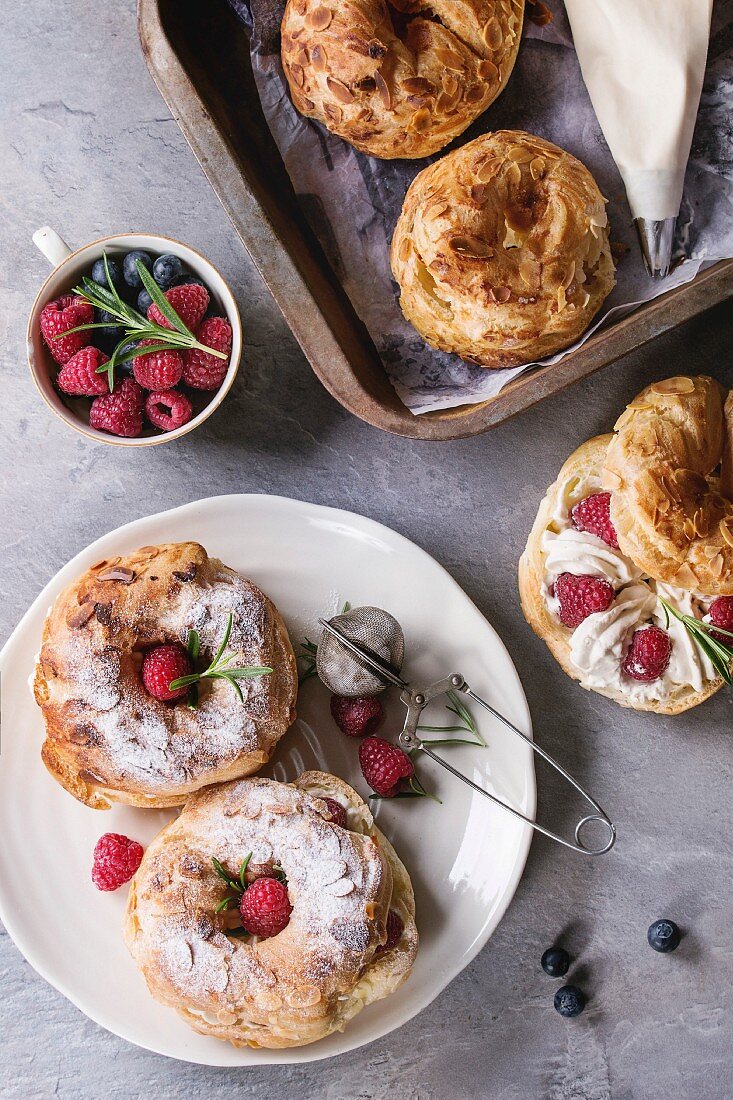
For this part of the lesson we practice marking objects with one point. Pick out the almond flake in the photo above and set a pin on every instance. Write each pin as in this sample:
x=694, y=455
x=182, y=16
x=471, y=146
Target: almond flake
x=298, y=75
x=450, y=84
x=537, y=168
x=420, y=121
x=121, y=573
x=418, y=85
x=500, y=293
x=487, y=70
x=319, y=18
x=476, y=93
x=673, y=386
x=450, y=59
x=383, y=88
x=80, y=615
x=334, y=113
x=726, y=529
x=318, y=57
x=487, y=170
x=404, y=250
x=470, y=246
x=479, y=193
x=341, y=888
x=338, y=89
x=492, y=34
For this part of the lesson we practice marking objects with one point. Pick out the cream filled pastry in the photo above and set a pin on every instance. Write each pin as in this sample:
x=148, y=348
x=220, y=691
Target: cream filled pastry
x=595, y=603
x=336, y=930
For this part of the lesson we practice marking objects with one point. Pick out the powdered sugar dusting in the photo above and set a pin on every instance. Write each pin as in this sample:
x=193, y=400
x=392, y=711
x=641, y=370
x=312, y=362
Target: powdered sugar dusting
x=330, y=936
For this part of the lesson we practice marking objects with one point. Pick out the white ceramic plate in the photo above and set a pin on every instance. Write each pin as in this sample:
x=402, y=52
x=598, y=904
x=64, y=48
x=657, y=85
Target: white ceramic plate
x=465, y=856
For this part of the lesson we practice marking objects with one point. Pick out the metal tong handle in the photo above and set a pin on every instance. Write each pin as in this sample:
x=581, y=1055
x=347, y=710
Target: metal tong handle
x=416, y=701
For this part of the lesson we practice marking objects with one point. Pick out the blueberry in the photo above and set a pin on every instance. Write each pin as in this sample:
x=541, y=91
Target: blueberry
x=126, y=368
x=167, y=269
x=664, y=936
x=129, y=269
x=569, y=1001
x=108, y=337
x=187, y=278
x=555, y=962
x=144, y=302
x=100, y=276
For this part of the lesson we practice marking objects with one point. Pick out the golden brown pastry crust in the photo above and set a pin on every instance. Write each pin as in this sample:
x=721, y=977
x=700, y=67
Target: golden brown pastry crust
x=586, y=460
x=501, y=251
x=107, y=739
x=672, y=511
x=399, y=79
x=323, y=968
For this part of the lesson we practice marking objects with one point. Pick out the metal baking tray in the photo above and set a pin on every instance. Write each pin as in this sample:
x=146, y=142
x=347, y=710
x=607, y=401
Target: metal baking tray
x=198, y=54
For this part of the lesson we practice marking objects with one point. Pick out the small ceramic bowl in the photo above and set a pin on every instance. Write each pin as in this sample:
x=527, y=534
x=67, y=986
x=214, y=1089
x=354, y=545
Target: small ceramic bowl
x=68, y=268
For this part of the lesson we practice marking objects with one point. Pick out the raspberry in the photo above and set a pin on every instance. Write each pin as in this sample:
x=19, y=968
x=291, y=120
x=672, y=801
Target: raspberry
x=161, y=370
x=119, y=412
x=593, y=514
x=648, y=654
x=265, y=908
x=163, y=665
x=337, y=811
x=581, y=596
x=116, y=859
x=79, y=377
x=383, y=765
x=721, y=614
x=168, y=410
x=395, y=928
x=189, y=301
x=356, y=717
x=201, y=370
x=61, y=315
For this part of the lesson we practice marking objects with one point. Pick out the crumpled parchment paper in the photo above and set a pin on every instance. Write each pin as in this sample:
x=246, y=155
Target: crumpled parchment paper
x=352, y=201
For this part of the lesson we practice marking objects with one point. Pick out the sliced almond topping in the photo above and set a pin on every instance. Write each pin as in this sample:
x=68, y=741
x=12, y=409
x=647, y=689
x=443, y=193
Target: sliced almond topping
x=716, y=565
x=306, y=104
x=679, y=385
x=513, y=173
x=332, y=112
x=319, y=18
x=492, y=34
x=445, y=103
x=450, y=59
x=479, y=193
x=529, y=271
x=420, y=121
x=296, y=72
x=626, y=417
x=476, y=93
x=688, y=529
x=383, y=88
x=318, y=57
x=612, y=479
x=80, y=615
x=685, y=577
x=585, y=298
x=664, y=505
x=726, y=529
x=120, y=573
x=339, y=90
x=405, y=249
x=561, y=299
x=418, y=85
x=470, y=246
x=500, y=293
x=537, y=168
x=487, y=70
x=450, y=84
x=301, y=57
x=519, y=154
x=436, y=210
x=341, y=888
x=149, y=551
x=487, y=170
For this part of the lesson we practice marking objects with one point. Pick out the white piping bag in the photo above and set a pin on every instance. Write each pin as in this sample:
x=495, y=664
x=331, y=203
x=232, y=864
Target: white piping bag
x=643, y=62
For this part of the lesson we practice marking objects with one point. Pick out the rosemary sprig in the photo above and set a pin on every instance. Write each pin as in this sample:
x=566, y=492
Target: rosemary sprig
x=220, y=668
x=236, y=886
x=719, y=653
x=415, y=789
x=467, y=725
x=136, y=327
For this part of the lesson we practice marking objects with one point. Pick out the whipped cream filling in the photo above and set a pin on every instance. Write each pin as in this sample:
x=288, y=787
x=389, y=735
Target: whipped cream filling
x=598, y=646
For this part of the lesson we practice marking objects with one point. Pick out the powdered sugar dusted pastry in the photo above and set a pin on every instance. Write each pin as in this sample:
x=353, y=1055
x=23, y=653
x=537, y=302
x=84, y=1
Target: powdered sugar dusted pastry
x=501, y=251
x=398, y=79
x=318, y=971
x=107, y=738
x=588, y=592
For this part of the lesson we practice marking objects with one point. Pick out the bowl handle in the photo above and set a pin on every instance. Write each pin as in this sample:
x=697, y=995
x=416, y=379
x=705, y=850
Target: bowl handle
x=51, y=245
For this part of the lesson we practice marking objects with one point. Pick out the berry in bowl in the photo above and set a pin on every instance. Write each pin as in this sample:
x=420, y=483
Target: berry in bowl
x=133, y=339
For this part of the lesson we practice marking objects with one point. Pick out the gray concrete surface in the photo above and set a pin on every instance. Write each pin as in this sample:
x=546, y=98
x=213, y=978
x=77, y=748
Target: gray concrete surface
x=89, y=147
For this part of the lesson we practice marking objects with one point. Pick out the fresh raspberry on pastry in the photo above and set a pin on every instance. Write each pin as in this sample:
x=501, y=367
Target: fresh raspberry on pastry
x=648, y=655
x=265, y=908
x=395, y=928
x=581, y=596
x=163, y=665
x=337, y=812
x=721, y=614
x=593, y=514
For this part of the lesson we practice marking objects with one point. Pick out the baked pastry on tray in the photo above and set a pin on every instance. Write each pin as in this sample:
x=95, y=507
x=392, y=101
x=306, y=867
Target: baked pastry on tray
x=348, y=939
x=501, y=251
x=108, y=739
x=639, y=515
x=398, y=79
